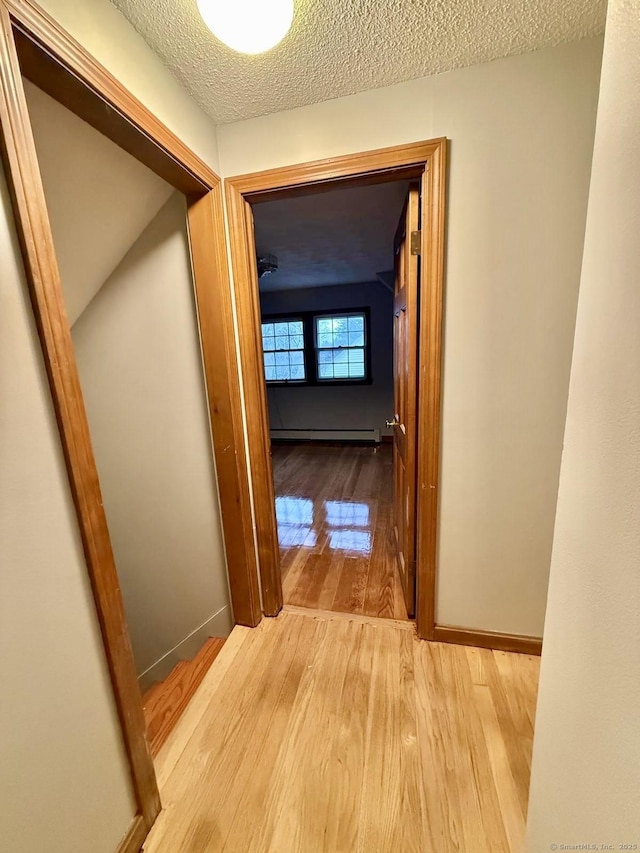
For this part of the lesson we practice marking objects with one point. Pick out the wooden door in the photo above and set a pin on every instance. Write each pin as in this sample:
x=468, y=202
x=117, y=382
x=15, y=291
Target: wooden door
x=405, y=377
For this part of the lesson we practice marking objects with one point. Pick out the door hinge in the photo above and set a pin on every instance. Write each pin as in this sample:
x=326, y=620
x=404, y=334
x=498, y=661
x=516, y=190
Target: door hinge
x=415, y=242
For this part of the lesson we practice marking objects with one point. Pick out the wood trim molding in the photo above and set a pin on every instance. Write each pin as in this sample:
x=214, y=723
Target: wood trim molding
x=488, y=639
x=213, y=296
x=134, y=837
x=400, y=161
x=41, y=270
x=430, y=384
x=422, y=159
x=257, y=422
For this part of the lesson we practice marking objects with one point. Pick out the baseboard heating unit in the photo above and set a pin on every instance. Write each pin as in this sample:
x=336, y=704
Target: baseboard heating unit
x=370, y=436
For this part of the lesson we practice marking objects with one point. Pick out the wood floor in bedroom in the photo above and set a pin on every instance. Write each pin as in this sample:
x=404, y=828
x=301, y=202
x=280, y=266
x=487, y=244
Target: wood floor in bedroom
x=334, y=513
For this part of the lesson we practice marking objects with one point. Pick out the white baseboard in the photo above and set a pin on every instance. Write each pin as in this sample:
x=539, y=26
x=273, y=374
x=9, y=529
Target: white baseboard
x=217, y=625
x=372, y=435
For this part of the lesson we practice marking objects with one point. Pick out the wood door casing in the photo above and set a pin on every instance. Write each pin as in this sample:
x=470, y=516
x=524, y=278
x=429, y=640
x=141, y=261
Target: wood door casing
x=405, y=385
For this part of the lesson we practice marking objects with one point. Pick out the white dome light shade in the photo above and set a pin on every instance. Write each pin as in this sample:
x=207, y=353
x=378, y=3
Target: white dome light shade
x=248, y=26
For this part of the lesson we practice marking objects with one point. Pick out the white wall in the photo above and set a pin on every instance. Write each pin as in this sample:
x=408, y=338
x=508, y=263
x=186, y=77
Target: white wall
x=99, y=197
x=140, y=368
x=64, y=783
x=332, y=407
x=521, y=132
x=586, y=765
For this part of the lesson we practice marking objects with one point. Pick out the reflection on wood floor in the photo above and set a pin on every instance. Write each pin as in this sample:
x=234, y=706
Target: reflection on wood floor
x=325, y=734
x=334, y=512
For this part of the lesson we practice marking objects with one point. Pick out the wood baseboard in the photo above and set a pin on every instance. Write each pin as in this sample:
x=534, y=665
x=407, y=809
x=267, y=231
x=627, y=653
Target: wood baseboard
x=488, y=639
x=164, y=703
x=134, y=837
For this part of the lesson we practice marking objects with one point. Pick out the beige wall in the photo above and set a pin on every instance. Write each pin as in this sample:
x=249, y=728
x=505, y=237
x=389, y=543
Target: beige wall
x=586, y=765
x=89, y=182
x=140, y=368
x=103, y=31
x=64, y=783
x=521, y=133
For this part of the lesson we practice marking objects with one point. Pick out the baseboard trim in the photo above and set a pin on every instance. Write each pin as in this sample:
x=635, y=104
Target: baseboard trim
x=488, y=639
x=370, y=436
x=217, y=625
x=134, y=837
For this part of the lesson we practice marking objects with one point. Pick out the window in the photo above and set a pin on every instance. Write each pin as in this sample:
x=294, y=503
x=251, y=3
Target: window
x=317, y=349
x=283, y=349
x=340, y=346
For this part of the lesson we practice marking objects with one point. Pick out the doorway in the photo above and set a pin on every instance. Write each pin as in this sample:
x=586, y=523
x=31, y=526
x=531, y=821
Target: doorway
x=326, y=269
x=415, y=494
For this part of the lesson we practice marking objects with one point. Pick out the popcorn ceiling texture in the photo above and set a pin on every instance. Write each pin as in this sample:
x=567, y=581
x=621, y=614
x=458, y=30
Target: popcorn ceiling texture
x=341, y=237
x=339, y=47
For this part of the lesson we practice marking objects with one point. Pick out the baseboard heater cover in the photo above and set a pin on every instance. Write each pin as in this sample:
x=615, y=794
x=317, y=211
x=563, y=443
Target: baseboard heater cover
x=372, y=435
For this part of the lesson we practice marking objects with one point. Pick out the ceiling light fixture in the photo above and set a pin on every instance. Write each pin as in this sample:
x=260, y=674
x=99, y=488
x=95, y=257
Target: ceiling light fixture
x=248, y=26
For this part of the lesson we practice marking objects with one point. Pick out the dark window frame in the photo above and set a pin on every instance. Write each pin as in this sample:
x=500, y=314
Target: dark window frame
x=310, y=351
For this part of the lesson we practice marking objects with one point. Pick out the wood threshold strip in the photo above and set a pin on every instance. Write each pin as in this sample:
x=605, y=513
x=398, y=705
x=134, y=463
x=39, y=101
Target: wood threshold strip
x=335, y=616
x=488, y=640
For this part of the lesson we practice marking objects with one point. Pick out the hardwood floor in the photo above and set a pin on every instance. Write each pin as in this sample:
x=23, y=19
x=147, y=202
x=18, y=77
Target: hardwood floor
x=331, y=733
x=334, y=511
x=165, y=702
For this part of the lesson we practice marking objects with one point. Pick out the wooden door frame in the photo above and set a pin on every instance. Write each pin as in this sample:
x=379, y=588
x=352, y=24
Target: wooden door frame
x=34, y=45
x=427, y=162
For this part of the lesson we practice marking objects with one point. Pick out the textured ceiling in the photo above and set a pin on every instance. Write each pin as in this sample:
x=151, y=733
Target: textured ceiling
x=338, y=237
x=338, y=47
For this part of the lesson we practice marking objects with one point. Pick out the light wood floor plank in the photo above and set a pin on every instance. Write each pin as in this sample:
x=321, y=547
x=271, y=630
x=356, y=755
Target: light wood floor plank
x=330, y=733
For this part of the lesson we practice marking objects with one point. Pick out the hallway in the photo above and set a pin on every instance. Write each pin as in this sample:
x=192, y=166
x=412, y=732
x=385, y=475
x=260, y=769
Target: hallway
x=339, y=734
x=334, y=512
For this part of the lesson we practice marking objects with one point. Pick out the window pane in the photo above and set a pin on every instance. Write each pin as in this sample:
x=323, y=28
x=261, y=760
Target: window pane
x=341, y=364
x=340, y=346
x=283, y=346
